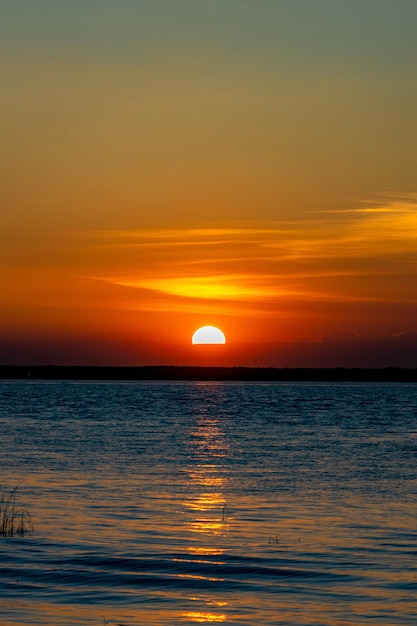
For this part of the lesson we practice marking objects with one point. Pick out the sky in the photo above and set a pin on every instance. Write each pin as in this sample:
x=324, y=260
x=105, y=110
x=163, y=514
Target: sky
x=172, y=164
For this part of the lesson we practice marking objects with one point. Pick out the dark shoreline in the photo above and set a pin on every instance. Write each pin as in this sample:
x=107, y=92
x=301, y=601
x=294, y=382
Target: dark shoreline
x=169, y=372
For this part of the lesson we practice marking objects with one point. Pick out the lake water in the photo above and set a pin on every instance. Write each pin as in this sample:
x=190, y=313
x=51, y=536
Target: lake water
x=236, y=503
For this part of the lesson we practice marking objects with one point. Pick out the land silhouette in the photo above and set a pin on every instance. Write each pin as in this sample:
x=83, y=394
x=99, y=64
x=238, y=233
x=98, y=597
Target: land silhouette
x=169, y=372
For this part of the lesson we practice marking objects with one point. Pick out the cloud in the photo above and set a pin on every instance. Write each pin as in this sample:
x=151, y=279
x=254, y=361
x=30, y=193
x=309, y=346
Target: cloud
x=351, y=257
x=342, y=335
x=357, y=264
x=205, y=287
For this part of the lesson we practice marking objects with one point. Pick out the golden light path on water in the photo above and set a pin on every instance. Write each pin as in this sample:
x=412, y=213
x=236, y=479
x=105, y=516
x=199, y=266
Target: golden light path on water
x=207, y=508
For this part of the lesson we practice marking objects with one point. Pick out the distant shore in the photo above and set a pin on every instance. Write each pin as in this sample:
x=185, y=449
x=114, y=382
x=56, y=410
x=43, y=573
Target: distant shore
x=169, y=372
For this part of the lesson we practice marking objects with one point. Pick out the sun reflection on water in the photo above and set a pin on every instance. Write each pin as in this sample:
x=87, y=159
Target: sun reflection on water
x=207, y=471
x=205, y=617
x=206, y=503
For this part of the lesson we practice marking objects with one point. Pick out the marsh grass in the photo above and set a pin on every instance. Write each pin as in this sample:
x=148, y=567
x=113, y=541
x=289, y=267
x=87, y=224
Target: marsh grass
x=14, y=520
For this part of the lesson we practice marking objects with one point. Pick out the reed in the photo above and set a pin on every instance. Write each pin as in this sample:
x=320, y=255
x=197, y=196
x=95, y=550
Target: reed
x=14, y=520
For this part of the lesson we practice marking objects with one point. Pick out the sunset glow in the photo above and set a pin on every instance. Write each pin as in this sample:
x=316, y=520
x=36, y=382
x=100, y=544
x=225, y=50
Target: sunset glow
x=269, y=185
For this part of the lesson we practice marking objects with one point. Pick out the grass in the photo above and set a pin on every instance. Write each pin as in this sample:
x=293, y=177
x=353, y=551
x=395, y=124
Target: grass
x=14, y=520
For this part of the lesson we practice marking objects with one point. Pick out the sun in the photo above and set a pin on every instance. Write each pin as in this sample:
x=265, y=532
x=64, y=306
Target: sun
x=208, y=334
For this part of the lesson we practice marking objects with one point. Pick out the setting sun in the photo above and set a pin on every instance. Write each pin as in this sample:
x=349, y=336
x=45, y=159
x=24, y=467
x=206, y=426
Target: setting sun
x=208, y=335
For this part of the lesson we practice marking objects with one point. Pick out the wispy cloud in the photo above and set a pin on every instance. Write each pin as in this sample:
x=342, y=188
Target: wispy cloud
x=205, y=287
x=302, y=260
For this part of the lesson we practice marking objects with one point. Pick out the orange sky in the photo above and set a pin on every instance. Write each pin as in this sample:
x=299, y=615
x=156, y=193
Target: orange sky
x=180, y=164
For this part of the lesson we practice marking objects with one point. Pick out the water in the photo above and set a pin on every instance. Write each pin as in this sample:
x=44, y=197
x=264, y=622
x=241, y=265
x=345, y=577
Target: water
x=235, y=503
